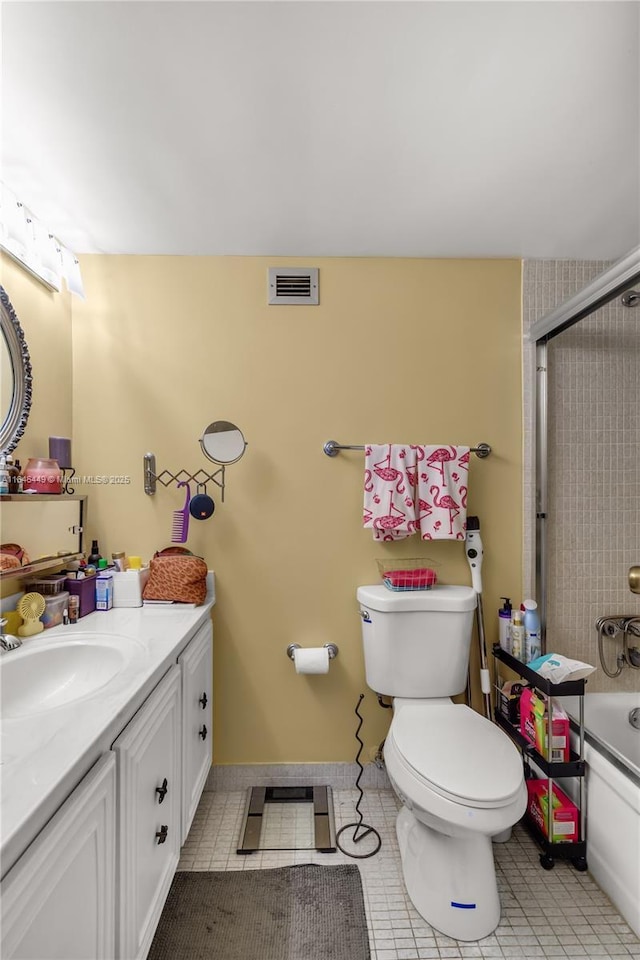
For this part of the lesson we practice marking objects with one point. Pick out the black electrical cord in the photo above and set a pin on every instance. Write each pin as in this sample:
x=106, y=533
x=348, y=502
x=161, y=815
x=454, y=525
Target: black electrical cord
x=359, y=826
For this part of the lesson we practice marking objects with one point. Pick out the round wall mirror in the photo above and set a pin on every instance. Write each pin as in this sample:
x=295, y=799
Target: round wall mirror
x=222, y=442
x=16, y=377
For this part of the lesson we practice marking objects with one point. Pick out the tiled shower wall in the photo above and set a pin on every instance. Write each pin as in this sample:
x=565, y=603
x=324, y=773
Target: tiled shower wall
x=594, y=480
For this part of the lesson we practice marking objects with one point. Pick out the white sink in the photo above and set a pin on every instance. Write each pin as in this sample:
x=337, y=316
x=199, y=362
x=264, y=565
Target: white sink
x=40, y=676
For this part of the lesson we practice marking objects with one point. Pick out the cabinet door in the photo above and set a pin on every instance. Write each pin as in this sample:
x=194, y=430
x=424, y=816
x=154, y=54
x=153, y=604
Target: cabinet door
x=197, y=669
x=148, y=752
x=58, y=900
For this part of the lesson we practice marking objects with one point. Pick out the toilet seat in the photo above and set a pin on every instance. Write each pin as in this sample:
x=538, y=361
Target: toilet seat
x=457, y=753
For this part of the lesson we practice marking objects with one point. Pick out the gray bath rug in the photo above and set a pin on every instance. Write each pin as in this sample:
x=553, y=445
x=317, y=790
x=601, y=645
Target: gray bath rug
x=306, y=912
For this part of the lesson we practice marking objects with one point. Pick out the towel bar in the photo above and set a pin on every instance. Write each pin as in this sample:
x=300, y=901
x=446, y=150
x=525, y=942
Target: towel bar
x=331, y=448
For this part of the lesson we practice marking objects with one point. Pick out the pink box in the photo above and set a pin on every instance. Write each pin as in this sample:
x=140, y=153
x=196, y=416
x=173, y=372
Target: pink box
x=534, y=721
x=565, y=813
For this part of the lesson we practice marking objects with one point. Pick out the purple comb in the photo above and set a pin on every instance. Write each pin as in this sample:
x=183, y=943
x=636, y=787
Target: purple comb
x=180, y=524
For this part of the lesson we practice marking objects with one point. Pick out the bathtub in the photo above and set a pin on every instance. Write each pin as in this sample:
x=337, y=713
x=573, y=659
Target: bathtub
x=612, y=752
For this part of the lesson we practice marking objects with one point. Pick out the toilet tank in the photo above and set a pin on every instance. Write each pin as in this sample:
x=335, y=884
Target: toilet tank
x=416, y=642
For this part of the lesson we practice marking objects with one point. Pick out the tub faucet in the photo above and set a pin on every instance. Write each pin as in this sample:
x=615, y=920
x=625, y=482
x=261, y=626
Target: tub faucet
x=8, y=642
x=632, y=629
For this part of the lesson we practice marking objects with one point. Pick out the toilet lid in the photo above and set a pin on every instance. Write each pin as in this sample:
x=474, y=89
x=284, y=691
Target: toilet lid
x=460, y=753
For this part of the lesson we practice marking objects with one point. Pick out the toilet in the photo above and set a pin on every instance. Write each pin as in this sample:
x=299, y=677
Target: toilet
x=458, y=776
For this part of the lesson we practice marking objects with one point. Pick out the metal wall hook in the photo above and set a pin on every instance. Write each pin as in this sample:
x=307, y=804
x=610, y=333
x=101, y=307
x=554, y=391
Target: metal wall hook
x=166, y=478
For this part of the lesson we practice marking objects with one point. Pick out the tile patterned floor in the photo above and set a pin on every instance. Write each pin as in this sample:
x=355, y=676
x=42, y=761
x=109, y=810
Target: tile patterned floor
x=557, y=913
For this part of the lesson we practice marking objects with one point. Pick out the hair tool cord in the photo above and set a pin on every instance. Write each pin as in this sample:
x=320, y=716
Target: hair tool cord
x=362, y=830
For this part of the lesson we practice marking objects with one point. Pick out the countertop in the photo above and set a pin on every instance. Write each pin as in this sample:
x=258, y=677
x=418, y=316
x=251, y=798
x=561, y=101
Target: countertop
x=46, y=754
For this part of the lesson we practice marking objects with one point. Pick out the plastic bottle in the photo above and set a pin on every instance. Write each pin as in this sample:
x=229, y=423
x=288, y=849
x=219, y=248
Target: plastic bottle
x=4, y=476
x=532, y=631
x=504, y=624
x=95, y=554
x=15, y=480
x=74, y=608
x=517, y=635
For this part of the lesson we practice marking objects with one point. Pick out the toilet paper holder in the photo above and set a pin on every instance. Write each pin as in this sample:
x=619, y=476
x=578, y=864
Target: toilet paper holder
x=331, y=648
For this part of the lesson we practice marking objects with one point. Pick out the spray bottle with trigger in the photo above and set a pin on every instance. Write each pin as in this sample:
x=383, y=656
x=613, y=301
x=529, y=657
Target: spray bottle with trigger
x=474, y=553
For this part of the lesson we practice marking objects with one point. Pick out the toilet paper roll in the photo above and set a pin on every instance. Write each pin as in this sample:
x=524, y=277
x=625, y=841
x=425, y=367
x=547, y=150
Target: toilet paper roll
x=311, y=660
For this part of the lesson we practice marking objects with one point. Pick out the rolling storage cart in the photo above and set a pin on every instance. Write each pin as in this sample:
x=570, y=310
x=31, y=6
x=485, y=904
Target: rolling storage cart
x=575, y=850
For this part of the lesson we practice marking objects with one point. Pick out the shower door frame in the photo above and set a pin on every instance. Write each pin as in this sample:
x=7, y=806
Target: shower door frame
x=606, y=287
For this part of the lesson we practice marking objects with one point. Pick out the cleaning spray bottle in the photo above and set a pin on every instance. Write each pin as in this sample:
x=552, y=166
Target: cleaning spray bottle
x=504, y=624
x=532, y=632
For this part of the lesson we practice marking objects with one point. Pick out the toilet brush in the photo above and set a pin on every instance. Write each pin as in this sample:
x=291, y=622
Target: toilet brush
x=473, y=550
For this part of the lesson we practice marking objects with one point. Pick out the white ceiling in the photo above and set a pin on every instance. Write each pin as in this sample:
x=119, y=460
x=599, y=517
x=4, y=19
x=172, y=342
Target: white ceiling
x=429, y=129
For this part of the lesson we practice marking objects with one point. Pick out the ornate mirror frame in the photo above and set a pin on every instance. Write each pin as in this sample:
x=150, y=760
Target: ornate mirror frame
x=15, y=421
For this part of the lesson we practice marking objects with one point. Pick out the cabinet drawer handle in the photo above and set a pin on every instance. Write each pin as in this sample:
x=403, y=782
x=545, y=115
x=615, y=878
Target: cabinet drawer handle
x=161, y=834
x=203, y=700
x=202, y=732
x=162, y=791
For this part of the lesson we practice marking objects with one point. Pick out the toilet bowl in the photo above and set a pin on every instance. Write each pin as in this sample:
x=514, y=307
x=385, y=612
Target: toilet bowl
x=460, y=781
x=459, y=776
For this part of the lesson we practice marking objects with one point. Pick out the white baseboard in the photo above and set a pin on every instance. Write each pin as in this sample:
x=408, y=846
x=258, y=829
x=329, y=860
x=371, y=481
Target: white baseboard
x=339, y=776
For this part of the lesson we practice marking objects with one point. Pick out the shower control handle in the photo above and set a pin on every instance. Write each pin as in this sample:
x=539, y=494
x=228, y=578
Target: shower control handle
x=202, y=732
x=203, y=700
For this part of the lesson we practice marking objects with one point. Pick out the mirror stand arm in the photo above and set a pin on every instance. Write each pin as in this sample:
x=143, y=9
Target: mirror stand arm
x=166, y=478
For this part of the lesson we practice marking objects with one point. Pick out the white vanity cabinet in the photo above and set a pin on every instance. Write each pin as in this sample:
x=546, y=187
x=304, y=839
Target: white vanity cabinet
x=149, y=814
x=197, y=676
x=92, y=883
x=58, y=901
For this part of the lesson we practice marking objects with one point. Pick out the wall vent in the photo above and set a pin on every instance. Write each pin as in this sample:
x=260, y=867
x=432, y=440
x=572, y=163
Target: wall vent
x=293, y=285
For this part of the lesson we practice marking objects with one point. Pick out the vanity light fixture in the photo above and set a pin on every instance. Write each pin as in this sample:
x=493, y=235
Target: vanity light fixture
x=32, y=245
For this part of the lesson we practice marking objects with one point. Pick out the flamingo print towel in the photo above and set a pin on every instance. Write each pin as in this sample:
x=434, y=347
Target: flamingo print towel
x=441, y=502
x=389, y=483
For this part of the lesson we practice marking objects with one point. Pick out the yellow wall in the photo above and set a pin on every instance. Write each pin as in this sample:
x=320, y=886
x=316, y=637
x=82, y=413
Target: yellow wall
x=399, y=350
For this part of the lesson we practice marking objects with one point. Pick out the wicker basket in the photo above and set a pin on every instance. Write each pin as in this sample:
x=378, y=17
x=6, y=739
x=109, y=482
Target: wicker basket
x=418, y=573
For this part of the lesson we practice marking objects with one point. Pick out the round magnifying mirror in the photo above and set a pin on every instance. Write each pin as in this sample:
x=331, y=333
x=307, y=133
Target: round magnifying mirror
x=222, y=442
